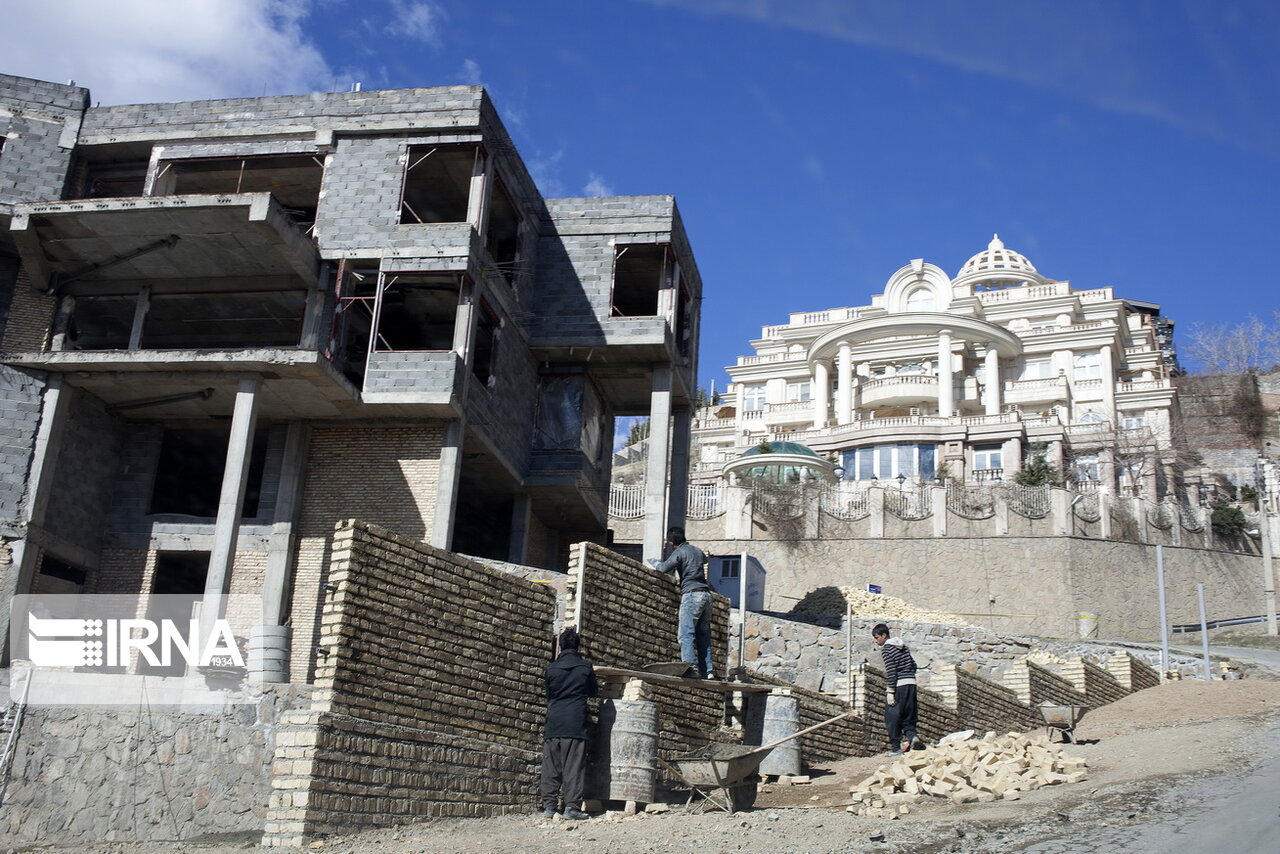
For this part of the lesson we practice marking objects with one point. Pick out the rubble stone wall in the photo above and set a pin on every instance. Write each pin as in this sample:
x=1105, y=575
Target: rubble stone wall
x=91, y=774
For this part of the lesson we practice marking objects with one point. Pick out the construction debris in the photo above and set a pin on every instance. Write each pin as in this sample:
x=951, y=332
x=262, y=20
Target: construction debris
x=831, y=602
x=974, y=770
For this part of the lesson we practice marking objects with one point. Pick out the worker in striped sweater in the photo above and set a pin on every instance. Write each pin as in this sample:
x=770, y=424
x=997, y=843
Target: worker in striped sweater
x=900, y=691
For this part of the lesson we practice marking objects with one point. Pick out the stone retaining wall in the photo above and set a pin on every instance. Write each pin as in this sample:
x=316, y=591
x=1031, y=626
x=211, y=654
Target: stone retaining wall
x=89, y=774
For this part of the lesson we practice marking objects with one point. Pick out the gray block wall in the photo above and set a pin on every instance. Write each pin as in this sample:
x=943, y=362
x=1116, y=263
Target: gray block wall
x=84, y=472
x=38, y=125
x=20, y=399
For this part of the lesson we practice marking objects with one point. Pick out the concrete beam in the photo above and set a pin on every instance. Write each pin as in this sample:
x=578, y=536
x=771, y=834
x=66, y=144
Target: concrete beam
x=235, y=476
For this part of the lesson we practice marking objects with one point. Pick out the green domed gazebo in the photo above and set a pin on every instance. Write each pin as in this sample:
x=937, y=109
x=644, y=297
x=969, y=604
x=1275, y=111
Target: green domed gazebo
x=779, y=462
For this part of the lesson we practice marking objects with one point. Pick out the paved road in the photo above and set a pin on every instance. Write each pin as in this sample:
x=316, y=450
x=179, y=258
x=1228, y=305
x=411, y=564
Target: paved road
x=1269, y=658
x=1206, y=815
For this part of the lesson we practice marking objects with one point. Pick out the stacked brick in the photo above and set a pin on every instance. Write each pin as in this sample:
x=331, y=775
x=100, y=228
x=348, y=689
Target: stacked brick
x=1131, y=673
x=1035, y=684
x=1098, y=685
x=429, y=699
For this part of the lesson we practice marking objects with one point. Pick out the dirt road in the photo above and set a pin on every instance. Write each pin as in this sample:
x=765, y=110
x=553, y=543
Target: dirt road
x=1158, y=760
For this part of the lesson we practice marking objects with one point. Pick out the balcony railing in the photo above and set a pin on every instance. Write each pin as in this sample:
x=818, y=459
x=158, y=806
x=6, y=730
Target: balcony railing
x=986, y=475
x=1144, y=385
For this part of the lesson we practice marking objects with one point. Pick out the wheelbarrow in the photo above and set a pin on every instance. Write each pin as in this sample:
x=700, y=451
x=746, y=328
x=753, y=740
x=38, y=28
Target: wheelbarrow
x=725, y=774
x=1062, y=718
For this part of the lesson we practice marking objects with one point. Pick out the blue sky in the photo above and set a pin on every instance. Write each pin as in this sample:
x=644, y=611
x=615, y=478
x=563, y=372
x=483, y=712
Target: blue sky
x=813, y=146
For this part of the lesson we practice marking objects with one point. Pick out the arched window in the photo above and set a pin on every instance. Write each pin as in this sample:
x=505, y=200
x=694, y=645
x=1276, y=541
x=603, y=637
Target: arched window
x=920, y=299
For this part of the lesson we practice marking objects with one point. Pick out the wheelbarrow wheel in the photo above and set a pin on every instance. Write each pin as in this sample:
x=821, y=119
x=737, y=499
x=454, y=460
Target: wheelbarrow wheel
x=743, y=796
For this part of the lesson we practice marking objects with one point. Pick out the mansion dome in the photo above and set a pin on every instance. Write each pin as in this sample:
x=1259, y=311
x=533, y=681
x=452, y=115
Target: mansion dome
x=996, y=258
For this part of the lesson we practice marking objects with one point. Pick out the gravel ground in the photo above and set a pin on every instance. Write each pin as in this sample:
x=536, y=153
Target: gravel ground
x=1153, y=757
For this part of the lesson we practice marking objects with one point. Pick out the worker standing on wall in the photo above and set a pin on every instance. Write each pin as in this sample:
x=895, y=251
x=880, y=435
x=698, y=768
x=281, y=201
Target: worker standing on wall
x=570, y=681
x=689, y=563
x=900, y=714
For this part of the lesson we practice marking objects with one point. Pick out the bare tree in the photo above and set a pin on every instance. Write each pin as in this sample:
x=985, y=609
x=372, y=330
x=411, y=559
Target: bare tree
x=1250, y=347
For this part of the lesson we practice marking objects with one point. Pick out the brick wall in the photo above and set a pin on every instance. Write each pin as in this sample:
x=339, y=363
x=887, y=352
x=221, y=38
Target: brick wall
x=382, y=472
x=1034, y=684
x=1098, y=686
x=1131, y=673
x=39, y=124
x=29, y=320
x=630, y=612
x=429, y=700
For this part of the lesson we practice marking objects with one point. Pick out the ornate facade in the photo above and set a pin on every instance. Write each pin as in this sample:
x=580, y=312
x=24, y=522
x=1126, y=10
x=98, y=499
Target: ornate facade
x=962, y=378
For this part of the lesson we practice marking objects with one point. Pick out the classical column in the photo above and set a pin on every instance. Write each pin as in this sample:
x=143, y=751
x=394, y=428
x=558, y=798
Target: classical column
x=821, y=394
x=657, y=471
x=993, y=379
x=844, y=376
x=1108, y=372
x=946, y=391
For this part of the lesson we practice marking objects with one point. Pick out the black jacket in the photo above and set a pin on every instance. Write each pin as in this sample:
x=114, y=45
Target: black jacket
x=570, y=681
x=686, y=561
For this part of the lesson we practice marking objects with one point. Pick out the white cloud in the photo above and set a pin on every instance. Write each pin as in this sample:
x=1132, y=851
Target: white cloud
x=140, y=51
x=416, y=20
x=470, y=72
x=544, y=169
x=597, y=187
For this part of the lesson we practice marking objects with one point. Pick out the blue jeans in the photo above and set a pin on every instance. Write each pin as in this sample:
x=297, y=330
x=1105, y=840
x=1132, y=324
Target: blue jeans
x=695, y=630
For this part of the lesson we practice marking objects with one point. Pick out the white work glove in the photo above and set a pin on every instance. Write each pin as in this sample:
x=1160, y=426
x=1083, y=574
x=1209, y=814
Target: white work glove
x=653, y=562
x=890, y=699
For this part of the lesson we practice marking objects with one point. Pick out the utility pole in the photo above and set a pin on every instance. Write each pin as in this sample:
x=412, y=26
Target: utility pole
x=1264, y=526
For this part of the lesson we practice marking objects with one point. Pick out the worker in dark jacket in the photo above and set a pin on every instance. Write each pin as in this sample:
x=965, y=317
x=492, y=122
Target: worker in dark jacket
x=900, y=714
x=570, y=681
x=688, y=562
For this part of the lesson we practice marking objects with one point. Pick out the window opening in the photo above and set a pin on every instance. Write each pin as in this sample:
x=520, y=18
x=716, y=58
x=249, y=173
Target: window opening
x=1085, y=468
x=639, y=273
x=189, y=471
x=920, y=299
x=730, y=567
x=798, y=392
x=59, y=577
x=987, y=457
x=180, y=573
x=437, y=183
x=294, y=180
x=114, y=180
x=101, y=322
x=224, y=320
x=357, y=289
x=503, y=238
x=417, y=312
x=684, y=318
x=882, y=462
x=1037, y=369
x=753, y=397
x=485, y=343
x=1088, y=366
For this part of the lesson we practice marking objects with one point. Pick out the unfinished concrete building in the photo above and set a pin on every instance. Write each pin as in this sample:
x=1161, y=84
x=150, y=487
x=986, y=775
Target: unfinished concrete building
x=229, y=324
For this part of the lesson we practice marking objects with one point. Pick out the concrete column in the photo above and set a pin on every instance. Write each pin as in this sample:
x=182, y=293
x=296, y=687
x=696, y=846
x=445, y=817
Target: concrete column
x=657, y=472
x=844, y=375
x=447, y=484
x=24, y=553
x=946, y=391
x=140, y=309
x=235, y=476
x=1000, y=499
x=1060, y=510
x=993, y=380
x=1138, y=508
x=279, y=574
x=1105, y=500
x=678, y=498
x=521, y=513
x=938, y=504
x=821, y=394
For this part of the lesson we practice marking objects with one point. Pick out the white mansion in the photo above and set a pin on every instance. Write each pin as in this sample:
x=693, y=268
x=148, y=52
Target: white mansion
x=960, y=377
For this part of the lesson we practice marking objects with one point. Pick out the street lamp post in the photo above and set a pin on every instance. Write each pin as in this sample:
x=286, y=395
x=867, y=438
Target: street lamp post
x=1264, y=526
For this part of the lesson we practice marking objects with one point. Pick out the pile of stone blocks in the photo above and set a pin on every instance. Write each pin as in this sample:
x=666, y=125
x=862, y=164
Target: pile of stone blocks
x=977, y=770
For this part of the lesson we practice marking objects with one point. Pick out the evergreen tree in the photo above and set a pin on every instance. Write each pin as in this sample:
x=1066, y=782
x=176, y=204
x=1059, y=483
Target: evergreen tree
x=1038, y=471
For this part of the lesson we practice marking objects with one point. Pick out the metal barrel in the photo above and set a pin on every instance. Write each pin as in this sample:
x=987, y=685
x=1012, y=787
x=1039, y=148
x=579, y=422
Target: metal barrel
x=625, y=761
x=268, y=653
x=781, y=719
